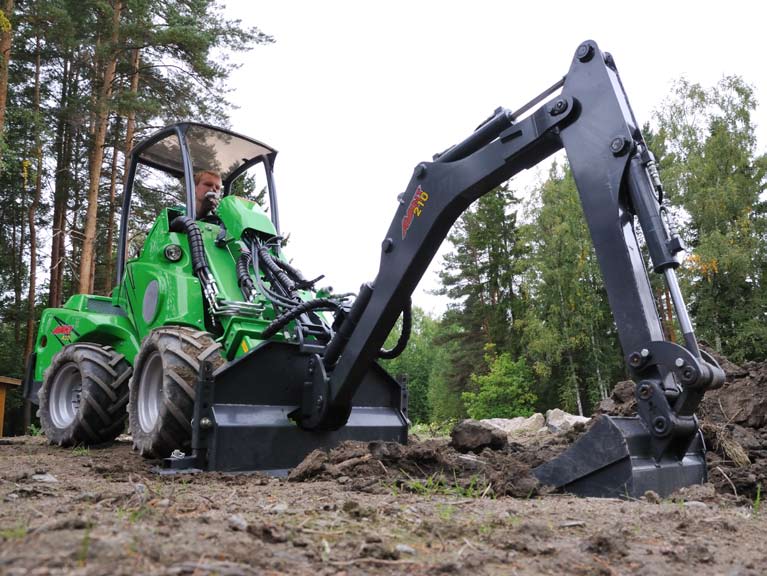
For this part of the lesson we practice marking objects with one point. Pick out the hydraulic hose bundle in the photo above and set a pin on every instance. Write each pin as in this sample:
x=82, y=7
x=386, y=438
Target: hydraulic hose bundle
x=285, y=281
x=188, y=226
x=289, y=280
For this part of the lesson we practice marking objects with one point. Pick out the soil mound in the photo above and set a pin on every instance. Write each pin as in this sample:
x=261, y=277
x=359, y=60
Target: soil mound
x=430, y=466
x=479, y=460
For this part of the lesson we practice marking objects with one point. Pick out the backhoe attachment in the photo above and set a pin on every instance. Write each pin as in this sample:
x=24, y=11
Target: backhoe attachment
x=269, y=408
x=661, y=449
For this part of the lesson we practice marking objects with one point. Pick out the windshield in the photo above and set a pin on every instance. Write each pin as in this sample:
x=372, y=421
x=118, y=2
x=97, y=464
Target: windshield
x=210, y=148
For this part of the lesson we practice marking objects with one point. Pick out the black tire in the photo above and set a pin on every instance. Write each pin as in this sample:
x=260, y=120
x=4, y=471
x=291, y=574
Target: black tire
x=83, y=395
x=163, y=388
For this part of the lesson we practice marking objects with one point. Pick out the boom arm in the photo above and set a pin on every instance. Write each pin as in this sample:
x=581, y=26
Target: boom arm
x=616, y=179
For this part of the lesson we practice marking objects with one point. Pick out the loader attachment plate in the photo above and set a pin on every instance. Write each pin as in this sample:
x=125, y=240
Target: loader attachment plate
x=241, y=420
x=614, y=459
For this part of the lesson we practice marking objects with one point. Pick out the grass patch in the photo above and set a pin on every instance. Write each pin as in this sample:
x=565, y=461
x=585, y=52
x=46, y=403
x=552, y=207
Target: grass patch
x=433, y=429
x=15, y=533
x=85, y=546
x=80, y=451
x=437, y=484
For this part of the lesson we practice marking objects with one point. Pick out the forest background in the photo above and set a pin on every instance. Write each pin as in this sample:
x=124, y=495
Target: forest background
x=528, y=326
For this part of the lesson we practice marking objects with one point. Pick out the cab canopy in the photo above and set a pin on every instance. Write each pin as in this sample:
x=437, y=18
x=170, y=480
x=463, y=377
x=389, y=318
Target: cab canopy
x=209, y=148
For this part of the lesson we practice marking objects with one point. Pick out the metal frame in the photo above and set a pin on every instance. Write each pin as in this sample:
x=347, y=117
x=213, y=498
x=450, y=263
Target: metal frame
x=180, y=129
x=618, y=183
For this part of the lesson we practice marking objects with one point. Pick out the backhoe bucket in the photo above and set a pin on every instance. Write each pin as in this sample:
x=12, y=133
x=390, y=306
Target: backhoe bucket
x=241, y=420
x=614, y=459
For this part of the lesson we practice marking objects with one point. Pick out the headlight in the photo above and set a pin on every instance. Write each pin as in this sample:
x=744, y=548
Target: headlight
x=173, y=252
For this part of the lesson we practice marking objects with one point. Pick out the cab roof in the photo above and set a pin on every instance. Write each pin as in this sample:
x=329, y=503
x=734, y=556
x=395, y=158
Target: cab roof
x=210, y=148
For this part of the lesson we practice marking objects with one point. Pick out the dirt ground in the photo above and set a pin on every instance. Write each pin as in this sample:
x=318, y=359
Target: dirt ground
x=386, y=509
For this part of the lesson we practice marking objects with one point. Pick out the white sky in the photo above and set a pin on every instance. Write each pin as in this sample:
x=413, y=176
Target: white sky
x=355, y=94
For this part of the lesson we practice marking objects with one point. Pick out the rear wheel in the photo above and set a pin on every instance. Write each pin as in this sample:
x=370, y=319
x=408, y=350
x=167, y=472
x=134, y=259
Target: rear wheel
x=162, y=392
x=83, y=395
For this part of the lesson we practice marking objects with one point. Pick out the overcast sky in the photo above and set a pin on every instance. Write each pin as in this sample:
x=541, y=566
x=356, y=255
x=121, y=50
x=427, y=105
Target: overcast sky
x=354, y=94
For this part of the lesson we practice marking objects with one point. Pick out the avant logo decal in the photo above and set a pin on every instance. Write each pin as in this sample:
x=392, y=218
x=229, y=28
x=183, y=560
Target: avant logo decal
x=64, y=331
x=420, y=197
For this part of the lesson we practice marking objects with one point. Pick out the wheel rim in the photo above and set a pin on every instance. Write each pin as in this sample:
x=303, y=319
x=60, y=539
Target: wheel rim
x=64, y=400
x=150, y=396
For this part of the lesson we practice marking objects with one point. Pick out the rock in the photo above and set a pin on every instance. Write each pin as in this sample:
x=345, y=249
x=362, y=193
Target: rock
x=559, y=421
x=512, y=426
x=475, y=435
x=405, y=549
x=237, y=523
x=44, y=477
x=652, y=497
x=269, y=533
x=278, y=508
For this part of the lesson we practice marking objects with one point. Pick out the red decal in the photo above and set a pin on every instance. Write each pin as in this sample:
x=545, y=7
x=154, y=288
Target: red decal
x=64, y=330
x=414, y=209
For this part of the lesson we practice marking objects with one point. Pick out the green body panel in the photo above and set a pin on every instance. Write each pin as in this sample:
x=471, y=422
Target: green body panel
x=83, y=318
x=179, y=297
x=156, y=291
x=240, y=214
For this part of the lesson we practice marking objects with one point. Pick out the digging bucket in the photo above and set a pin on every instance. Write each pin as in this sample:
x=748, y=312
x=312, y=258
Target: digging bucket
x=614, y=459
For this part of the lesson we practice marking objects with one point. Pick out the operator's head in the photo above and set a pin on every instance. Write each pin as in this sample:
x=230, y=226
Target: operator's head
x=206, y=181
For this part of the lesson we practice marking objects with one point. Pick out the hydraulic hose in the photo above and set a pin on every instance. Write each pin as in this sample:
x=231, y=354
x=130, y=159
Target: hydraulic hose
x=337, y=344
x=407, y=325
x=283, y=319
x=294, y=273
x=244, y=281
x=199, y=261
x=299, y=281
x=189, y=227
x=282, y=278
x=276, y=299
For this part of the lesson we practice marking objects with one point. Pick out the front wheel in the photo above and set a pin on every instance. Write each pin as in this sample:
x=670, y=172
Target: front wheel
x=162, y=392
x=83, y=395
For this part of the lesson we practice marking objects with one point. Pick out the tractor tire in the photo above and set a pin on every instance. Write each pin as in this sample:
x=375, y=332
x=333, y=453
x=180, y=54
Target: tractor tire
x=83, y=395
x=162, y=391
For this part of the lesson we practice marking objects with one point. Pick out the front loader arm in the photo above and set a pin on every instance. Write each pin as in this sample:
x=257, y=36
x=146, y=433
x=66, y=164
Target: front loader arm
x=616, y=179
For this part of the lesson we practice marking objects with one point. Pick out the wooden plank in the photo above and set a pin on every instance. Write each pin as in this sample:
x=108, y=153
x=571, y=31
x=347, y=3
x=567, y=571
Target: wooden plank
x=5, y=381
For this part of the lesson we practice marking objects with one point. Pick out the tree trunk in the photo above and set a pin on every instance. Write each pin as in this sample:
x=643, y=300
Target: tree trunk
x=61, y=183
x=5, y=58
x=576, y=386
x=96, y=158
x=131, y=127
x=108, y=259
x=129, y=131
x=32, y=229
x=18, y=280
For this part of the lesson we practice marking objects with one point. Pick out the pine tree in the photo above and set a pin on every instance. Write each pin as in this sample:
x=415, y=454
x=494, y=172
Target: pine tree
x=569, y=336
x=711, y=170
x=483, y=278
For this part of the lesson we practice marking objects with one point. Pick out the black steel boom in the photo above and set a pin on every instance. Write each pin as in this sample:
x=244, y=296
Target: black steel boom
x=618, y=184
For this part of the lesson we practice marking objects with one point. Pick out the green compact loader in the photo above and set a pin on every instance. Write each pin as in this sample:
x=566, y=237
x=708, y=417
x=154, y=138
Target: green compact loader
x=228, y=358
x=192, y=294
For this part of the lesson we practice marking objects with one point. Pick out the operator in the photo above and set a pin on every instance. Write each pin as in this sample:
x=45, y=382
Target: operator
x=207, y=190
